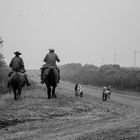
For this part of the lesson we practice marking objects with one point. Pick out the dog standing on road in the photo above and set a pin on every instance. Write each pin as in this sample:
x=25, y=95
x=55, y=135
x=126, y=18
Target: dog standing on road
x=106, y=93
x=78, y=90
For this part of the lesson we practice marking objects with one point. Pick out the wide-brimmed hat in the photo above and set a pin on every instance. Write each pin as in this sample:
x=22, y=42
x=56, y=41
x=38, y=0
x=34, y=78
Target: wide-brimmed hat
x=17, y=53
x=51, y=49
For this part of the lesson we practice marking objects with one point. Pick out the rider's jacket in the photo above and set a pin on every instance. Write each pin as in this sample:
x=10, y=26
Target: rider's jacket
x=50, y=59
x=17, y=63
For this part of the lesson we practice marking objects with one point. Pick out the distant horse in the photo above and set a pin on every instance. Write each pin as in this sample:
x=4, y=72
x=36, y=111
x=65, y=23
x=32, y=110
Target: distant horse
x=78, y=90
x=50, y=82
x=17, y=82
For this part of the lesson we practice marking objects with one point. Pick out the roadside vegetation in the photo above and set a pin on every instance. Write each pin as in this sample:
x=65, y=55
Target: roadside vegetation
x=3, y=74
x=119, y=77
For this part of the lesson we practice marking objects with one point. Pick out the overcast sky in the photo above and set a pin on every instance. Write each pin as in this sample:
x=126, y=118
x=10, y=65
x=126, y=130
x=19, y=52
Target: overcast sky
x=85, y=31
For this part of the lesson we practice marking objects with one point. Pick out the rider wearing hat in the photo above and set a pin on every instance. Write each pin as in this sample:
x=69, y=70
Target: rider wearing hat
x=50, y=61
x=17, y=65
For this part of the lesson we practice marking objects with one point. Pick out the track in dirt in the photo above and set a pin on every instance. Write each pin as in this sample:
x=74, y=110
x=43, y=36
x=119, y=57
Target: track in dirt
x=34, y=117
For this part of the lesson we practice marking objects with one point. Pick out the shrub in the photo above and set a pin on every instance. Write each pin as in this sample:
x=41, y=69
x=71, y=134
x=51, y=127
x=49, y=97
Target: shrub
x=118, y=77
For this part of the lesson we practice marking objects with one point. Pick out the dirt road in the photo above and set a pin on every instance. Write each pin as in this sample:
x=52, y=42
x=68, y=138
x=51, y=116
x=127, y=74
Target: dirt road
x=34, y=117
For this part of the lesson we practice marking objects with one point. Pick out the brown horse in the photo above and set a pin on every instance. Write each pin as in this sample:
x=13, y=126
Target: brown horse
x=50, y=82
x=17, y=82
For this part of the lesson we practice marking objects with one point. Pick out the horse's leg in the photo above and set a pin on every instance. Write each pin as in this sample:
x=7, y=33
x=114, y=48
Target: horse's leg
x=53, y=92
x=14, y=91
x=19, y=93
x=16, y=95
x=49, y=92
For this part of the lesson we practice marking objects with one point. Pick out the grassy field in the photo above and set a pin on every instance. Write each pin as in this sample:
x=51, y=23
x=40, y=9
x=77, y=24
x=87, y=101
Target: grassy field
x=34, y=117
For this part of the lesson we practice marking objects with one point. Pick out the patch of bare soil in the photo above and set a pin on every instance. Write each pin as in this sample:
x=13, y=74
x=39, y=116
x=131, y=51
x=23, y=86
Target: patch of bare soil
x=34, y=117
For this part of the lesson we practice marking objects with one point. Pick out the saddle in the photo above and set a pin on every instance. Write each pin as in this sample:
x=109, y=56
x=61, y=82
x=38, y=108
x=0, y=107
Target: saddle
x=47, y=69
x=14, y=73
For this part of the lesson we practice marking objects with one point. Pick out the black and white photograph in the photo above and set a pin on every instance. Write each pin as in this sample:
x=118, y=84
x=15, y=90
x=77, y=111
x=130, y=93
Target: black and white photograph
x=69, y=69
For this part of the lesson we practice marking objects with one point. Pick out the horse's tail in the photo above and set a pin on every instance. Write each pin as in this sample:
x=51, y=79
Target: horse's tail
x=17, y=80
x=50, y=77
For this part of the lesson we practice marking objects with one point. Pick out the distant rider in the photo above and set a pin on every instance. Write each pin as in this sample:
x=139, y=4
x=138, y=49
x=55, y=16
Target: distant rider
x=17, y=65
x=50, y=61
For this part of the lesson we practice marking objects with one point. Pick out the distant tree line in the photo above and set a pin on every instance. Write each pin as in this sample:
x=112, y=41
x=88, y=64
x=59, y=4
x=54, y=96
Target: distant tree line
x=118, y=77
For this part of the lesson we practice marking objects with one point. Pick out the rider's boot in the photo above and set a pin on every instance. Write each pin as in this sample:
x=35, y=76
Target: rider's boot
x=41, y=76
x=9, y=75
x=58, y=76
x=27, y=81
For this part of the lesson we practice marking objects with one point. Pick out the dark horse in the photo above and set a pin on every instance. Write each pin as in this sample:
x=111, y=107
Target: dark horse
x=17, y=82
x=50, y=81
